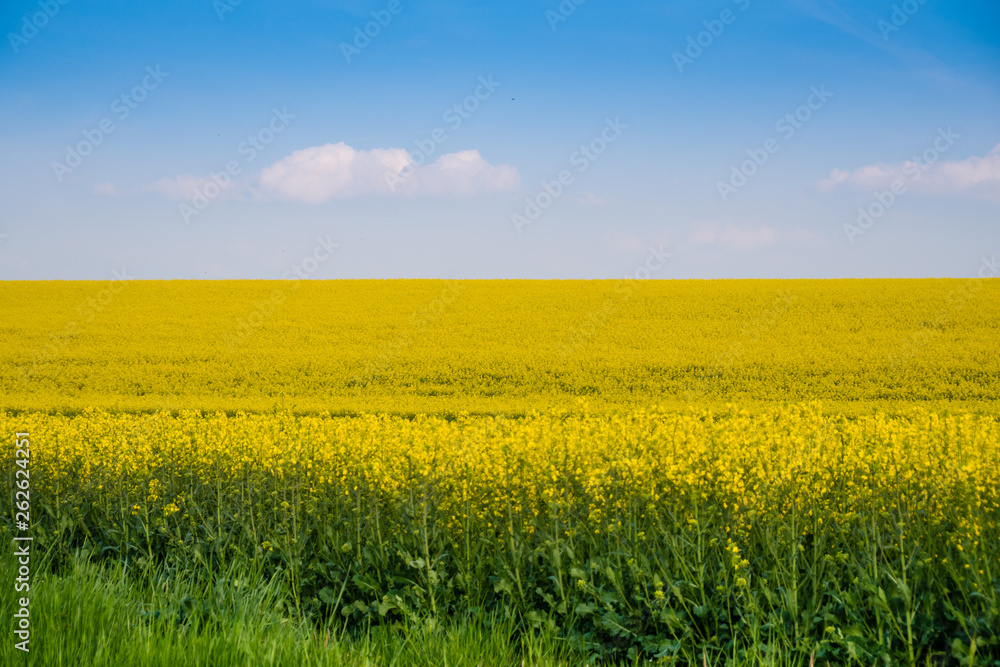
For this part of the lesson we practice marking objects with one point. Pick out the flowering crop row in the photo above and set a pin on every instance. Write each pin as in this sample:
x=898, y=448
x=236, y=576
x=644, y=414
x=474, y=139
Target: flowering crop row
x=650, y=530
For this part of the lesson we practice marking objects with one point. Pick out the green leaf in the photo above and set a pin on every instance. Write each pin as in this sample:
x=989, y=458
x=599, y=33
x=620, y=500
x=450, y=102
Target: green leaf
x=611, y=621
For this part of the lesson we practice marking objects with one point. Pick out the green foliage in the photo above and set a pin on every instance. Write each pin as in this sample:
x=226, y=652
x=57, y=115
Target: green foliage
x=114, y=616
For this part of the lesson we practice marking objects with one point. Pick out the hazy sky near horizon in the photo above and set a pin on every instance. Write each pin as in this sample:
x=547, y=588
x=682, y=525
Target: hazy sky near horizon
x=388, y=138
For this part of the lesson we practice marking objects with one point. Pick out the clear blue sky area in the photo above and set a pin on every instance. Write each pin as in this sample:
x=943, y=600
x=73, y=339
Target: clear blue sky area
x=389, y=138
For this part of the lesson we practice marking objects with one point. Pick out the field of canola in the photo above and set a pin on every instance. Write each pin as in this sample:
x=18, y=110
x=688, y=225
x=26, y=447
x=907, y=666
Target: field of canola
x=498, y=347
x=668, y=471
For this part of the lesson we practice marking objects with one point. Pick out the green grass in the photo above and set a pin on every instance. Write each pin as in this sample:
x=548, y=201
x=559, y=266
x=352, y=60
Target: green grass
x=93, y=615
x=103, y=612
x=89, y=615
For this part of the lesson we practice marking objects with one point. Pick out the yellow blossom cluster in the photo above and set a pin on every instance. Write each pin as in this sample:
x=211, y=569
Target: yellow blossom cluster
x=600, y=473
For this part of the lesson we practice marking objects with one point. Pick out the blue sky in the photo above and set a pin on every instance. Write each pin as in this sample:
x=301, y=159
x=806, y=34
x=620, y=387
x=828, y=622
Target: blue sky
x=788, y=139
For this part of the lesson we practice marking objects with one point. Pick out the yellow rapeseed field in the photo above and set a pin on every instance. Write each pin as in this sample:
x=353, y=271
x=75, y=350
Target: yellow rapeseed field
x=653, y=468
x=500, y=347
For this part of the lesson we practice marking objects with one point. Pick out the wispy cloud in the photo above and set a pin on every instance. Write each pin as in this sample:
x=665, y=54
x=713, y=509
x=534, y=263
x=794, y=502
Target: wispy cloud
x=864, y=25
x=629, y=244
x=975, y=176
x=180, y=188
x=831, y=13
x=590, y=199
x=736, y=237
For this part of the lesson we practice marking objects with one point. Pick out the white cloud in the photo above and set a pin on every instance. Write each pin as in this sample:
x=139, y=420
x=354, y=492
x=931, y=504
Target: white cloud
x=332, y=171
x=463, y=174
x=590, y=199
x=106, y=189
x=320, y=173
x=974, y=175
x=733, y=236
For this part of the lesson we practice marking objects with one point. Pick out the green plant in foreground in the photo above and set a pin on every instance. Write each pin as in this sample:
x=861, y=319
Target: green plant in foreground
x=643, y=537
x=94, y=616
